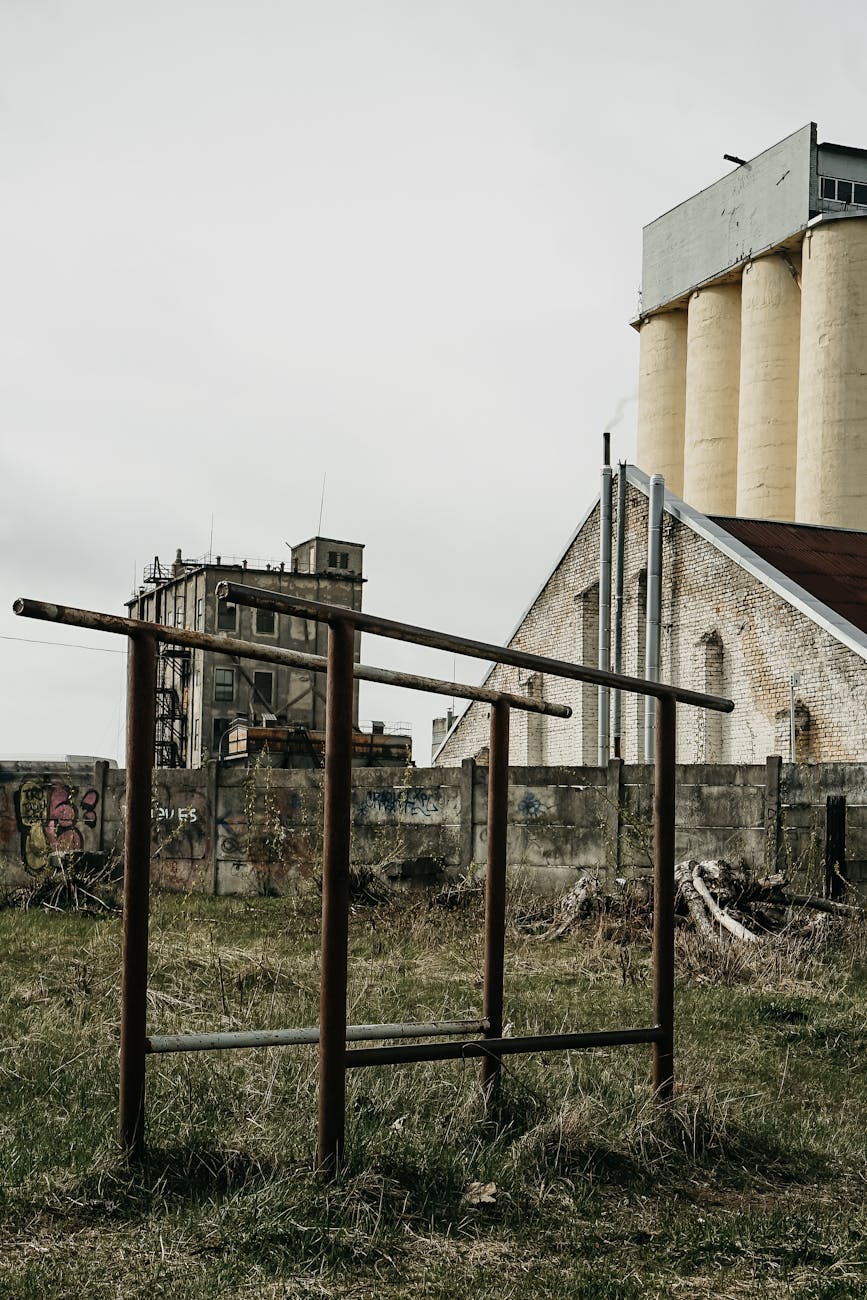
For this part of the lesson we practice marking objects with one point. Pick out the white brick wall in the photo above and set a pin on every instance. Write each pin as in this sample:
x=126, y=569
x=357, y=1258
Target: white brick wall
x=709, y=603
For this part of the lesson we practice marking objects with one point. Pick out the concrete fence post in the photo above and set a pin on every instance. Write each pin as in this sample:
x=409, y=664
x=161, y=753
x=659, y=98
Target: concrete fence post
x=468, y=771
x=773, y=830
x=615, y=810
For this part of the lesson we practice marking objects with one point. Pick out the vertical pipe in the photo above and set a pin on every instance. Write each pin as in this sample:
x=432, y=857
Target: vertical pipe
x=495, y=886
x=663, y=896
x=335, y=894
x=618, y=601
x=140, y=741
x=654, y=603
x=604, y=607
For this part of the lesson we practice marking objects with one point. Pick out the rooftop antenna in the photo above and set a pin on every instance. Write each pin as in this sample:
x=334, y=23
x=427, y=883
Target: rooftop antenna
x=321, y=505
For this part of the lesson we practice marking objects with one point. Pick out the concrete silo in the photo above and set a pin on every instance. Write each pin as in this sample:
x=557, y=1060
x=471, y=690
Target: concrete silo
x=713, y=355
x=662, y=395
x=832, y=408
x=768, y=407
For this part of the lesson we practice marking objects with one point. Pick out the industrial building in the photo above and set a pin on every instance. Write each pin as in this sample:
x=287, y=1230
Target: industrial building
x=753, y=326
x=739, y=567
x=199, y=695
x=773, y=615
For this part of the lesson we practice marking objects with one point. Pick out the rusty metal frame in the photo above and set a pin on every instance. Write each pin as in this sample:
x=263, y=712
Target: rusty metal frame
x=333, y=1033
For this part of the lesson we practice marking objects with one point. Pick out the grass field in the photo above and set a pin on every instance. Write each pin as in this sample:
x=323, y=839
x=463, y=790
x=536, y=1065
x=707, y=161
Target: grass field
x=750, y=1183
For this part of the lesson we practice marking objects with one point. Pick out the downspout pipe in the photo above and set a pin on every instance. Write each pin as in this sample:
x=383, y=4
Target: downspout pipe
x=618, y=602
x=654, y=605
x=605, y=602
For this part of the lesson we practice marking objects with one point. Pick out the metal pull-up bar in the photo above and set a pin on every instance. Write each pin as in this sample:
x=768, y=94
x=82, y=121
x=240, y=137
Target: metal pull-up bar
x=140, y=737
x=333, y=1033
x=334, y=1059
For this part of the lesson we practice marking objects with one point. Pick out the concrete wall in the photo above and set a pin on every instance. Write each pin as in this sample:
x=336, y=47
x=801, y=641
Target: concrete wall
x=751, y=210
x=247, y=832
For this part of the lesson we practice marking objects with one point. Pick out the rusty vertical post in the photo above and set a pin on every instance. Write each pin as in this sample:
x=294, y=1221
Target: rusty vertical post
x=140, y=738
x=335, y=894
x=495, y=886
x=663, y=895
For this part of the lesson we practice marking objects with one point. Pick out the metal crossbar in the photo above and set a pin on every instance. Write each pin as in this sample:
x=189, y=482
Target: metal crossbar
x=333, y=1033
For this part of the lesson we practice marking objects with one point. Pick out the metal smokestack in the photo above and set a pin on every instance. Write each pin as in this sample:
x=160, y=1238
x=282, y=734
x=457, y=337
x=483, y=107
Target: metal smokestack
x=604, y=597
x=654, y=606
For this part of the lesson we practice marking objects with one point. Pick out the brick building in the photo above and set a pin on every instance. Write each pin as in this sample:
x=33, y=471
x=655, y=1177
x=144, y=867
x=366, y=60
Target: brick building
x=749, y=607
x=200, y=695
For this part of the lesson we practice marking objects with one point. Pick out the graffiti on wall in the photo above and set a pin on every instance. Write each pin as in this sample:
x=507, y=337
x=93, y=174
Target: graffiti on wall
x=409, y=802
x=178, y=830
x=181, y=816
x=51, y=817
x=530, y=806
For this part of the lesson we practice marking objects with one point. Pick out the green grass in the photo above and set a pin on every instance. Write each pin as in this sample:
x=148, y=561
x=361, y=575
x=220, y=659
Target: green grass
x=751, y=1182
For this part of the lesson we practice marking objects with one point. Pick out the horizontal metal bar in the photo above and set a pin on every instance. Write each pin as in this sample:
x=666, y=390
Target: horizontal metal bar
x=218, y=1042
x=235, y=647
x=387, y=627
x=499, y=1046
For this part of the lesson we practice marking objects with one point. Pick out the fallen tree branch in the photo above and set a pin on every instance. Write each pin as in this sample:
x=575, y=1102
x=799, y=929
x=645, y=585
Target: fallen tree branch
x=694, y=903
x=824, y=905
x=719, y=915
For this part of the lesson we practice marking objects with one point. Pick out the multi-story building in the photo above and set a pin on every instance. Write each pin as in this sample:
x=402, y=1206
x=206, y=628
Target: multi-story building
x=200, y=694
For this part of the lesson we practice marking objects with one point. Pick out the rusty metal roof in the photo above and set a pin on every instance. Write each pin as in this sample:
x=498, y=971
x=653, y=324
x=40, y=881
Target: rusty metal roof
x=829, y=563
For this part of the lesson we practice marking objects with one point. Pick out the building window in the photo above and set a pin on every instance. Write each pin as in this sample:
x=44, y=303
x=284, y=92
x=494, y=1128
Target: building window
x=338, y=559
x=179, y=614
x=263, y=688
x=200, y=613
x=589, y=651
x=266, y=622
x=227, y=616
x=840, y=191
x=224, y=683
x=221, y=726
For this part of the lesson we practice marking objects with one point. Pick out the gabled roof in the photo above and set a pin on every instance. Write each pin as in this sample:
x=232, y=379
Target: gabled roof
x=820, y=571
x=829, y=563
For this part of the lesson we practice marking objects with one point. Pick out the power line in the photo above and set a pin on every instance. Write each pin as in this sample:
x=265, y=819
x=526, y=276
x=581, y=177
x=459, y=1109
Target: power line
x=69, y=645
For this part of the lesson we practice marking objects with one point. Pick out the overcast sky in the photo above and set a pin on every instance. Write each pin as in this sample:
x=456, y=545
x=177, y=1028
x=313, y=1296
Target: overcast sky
x=246, y=245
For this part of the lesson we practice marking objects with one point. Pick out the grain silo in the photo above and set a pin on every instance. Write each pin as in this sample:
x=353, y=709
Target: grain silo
x=768, y=268
x=832, y=411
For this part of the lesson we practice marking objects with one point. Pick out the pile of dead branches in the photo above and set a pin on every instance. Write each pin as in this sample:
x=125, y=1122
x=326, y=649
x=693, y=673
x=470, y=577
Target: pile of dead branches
x=721, y=902
x=725, y=903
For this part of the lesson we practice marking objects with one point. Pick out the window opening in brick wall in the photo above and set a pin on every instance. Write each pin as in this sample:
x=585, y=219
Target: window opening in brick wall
x=534, y=689
x=263, y=689
x=589, y=654
x=224, y=683
x=266, y=622
x=227, y=616
x=711, y=675
x=221, y=726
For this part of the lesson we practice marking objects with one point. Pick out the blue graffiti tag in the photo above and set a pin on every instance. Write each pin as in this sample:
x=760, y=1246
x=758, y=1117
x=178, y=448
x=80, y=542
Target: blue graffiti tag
x=530, y=805
x=413, y=802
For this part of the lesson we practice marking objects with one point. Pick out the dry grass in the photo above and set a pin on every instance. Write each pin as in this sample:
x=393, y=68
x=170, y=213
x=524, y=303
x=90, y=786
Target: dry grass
x=748, y=1183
